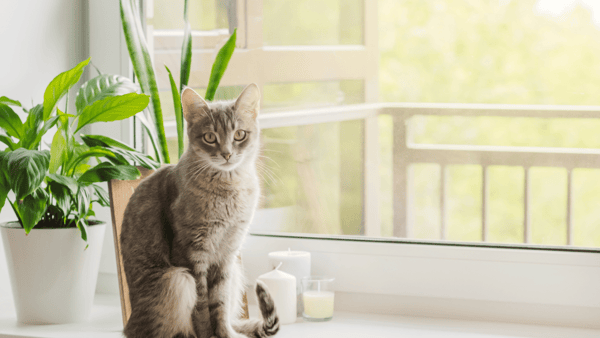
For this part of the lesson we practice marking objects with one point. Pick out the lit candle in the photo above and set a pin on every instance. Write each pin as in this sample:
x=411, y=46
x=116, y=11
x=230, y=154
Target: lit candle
x=296, y=263
x=282, y=288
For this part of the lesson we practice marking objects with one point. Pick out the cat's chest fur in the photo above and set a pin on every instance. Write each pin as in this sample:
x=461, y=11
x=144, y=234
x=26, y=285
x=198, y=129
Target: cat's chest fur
x=211, y=215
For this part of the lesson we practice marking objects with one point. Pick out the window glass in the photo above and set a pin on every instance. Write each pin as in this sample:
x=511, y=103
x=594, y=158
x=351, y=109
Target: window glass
x=307, y=54
x=312, y=22
x=202, y=14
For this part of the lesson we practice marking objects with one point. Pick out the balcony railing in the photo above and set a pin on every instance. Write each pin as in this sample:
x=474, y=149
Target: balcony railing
x=406, y=153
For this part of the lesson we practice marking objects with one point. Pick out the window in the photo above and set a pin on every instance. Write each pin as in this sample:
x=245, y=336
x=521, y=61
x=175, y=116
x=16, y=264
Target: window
x=416, y=142
x=428, y=170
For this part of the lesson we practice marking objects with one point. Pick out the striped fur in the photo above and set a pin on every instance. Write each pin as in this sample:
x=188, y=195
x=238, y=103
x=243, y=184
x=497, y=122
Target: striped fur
x=268, y=325
x=184, y=225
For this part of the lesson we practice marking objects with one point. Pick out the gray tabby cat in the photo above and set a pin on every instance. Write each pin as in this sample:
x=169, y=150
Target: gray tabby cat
x=184, y=225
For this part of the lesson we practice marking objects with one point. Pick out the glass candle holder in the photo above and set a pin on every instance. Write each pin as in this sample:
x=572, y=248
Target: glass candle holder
x=318, y=297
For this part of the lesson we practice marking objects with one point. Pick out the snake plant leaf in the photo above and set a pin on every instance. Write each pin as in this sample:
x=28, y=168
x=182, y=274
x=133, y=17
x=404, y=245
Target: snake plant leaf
x=219, y=66
x=186, y=51
x=31, y=208
x=105, y=171
x=151, y=135
x=142, y=64
x=66, y=181
x=178, y=112
x=10, y=102
x=26, y=169
x=103, y=86
x=113, y=108
x=10, y=121
x=103, y=198
x=60, y=86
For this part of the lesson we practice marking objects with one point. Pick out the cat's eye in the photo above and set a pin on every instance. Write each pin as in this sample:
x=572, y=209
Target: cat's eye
x=240, y=135
x=209, y=138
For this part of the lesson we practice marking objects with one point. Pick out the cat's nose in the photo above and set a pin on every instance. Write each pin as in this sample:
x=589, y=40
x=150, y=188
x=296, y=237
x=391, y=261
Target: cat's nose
x=226, y=156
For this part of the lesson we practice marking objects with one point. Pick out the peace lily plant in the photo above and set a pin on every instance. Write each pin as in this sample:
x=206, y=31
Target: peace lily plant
x=54, y=185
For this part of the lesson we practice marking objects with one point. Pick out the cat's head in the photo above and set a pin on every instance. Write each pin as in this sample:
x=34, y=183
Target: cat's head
x=224, y=134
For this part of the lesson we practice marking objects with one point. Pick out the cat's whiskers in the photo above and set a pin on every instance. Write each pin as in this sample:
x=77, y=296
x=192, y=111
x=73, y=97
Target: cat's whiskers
x=268, y=158
x=264, y=169
x=199, y=170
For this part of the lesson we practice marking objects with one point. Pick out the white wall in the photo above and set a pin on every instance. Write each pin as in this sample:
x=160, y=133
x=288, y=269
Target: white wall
x=40, y=39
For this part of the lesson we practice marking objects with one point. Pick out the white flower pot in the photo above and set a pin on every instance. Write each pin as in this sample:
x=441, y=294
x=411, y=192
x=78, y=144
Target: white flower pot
x=53, y=278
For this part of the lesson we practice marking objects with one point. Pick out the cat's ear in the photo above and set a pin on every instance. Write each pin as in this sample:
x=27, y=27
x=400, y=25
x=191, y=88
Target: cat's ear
x=193, y=105
x=249, y=101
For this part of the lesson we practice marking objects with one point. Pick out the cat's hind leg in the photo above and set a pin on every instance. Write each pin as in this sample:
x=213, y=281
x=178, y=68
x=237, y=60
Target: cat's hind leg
x=164, y=307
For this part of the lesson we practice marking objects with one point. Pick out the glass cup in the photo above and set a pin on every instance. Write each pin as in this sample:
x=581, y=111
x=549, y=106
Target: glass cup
x=317, y=295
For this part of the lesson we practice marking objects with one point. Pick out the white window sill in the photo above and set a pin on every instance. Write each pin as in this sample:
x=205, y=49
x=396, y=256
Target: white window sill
x=105, y=322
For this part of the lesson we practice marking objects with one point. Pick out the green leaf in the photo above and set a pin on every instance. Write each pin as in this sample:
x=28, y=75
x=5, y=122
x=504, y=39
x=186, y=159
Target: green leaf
x=10, y=121
x=103, y=198
x=83, y=202
x=47, y=126
x=103, y=141
x=220, y=65
x=58, y=151
x=148, y=128
x=32, y=127
x=10, y=102
x=4, y=185
x=101, y=87
x=82, y=226
x=105, y=171
x=8, y=141
x=186, y=52
x=60, y=86
x=66, y=181
x=97, y=152
x=32, y=208
x=26, y=170
x=61, y=196
x=137, y=158
x=142, y=64
x=74, y=152
x=178, y=112
x=121, y=150
x=81, y=168
x=112, y=109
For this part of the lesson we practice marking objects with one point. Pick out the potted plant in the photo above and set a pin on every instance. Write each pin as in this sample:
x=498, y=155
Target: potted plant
x=53, y=248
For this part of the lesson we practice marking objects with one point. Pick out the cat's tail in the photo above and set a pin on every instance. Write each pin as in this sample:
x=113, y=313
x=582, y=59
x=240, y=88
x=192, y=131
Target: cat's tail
x=268, y=325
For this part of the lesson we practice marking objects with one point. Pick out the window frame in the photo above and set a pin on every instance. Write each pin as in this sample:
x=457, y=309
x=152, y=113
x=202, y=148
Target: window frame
x=515, y=284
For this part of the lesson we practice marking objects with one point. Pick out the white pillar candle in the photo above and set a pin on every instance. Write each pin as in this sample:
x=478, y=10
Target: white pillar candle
x=296, y=263
x=318, y=304
x=282, y=287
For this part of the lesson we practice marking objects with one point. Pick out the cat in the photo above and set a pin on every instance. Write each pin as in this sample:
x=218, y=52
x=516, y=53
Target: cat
x=184, y=225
